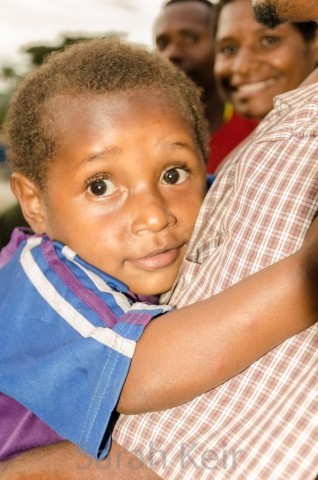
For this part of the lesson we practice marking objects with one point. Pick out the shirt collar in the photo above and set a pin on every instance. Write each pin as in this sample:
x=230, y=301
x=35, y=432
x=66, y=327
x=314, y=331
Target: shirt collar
x=293, y=98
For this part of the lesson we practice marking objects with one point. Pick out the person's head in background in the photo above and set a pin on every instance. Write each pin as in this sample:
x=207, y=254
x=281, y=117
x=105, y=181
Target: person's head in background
x=274, y=12
x=108, y=143
x=255, y=63
x=183, y=33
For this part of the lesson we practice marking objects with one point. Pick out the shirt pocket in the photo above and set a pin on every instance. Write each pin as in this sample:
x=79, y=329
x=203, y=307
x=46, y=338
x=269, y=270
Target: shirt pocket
x=203, y=250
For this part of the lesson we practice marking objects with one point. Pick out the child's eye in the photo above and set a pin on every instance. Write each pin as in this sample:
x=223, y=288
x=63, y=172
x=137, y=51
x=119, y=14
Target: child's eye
x=101, y=187
x=174, y=176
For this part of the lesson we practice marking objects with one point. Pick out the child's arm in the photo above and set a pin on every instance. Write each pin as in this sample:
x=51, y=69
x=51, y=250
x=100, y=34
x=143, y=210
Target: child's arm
x=222, y=335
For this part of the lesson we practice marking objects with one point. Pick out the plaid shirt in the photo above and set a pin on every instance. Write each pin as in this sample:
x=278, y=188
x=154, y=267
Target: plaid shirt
x=262, y=424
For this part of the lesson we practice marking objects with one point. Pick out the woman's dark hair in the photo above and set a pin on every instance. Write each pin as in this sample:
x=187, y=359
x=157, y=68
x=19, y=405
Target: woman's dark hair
x=306, y=29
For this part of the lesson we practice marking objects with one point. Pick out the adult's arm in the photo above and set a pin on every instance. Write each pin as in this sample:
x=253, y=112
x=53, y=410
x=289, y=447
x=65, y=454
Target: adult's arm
x=224, y=334
x=64, y=461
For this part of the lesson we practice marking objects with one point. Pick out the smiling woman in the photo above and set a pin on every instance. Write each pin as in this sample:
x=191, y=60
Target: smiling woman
x=254, y=63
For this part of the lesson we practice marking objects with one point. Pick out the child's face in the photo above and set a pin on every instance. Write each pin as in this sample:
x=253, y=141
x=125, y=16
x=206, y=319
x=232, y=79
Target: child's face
x=125, y=187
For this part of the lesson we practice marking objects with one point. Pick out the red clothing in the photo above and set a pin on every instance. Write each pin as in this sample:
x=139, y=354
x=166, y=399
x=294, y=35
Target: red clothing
x=227, y=137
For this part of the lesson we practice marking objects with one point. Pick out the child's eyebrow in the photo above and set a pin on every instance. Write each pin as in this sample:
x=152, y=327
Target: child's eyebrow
x=106, y=152
x=114, y=150
x=181, y=143
x=176, y=145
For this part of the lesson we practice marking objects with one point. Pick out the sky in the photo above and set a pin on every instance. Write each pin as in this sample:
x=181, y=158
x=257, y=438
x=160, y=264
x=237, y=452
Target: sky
x=29, y=22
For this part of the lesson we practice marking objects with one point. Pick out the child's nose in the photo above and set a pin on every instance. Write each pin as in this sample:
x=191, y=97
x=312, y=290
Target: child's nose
x=151, y=215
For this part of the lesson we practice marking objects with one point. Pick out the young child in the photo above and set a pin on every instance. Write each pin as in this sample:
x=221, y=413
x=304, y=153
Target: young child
x=107, y=144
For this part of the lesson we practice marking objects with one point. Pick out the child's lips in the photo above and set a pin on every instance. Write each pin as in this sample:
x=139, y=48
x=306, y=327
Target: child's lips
x=157, y=259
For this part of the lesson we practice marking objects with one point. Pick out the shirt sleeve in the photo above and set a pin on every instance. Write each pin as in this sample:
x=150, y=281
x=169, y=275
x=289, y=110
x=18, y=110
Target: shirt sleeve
x=67, y=340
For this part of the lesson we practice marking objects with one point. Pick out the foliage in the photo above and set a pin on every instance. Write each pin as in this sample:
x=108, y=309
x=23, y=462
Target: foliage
x=9, y=77
x=39, y=52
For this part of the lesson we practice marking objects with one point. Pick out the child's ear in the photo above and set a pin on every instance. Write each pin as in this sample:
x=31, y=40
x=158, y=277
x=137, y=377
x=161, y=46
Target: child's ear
x=31, y=201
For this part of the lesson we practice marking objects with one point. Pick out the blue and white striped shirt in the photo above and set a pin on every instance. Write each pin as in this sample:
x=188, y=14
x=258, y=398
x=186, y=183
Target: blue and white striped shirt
x=68, y=333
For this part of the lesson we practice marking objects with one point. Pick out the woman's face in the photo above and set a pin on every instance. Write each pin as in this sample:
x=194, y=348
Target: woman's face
x=254, y=64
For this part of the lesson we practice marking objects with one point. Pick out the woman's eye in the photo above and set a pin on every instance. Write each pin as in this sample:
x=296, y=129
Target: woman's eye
x=228, y=50
x=101, y=187
x=174, y=176
x=269, y=41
